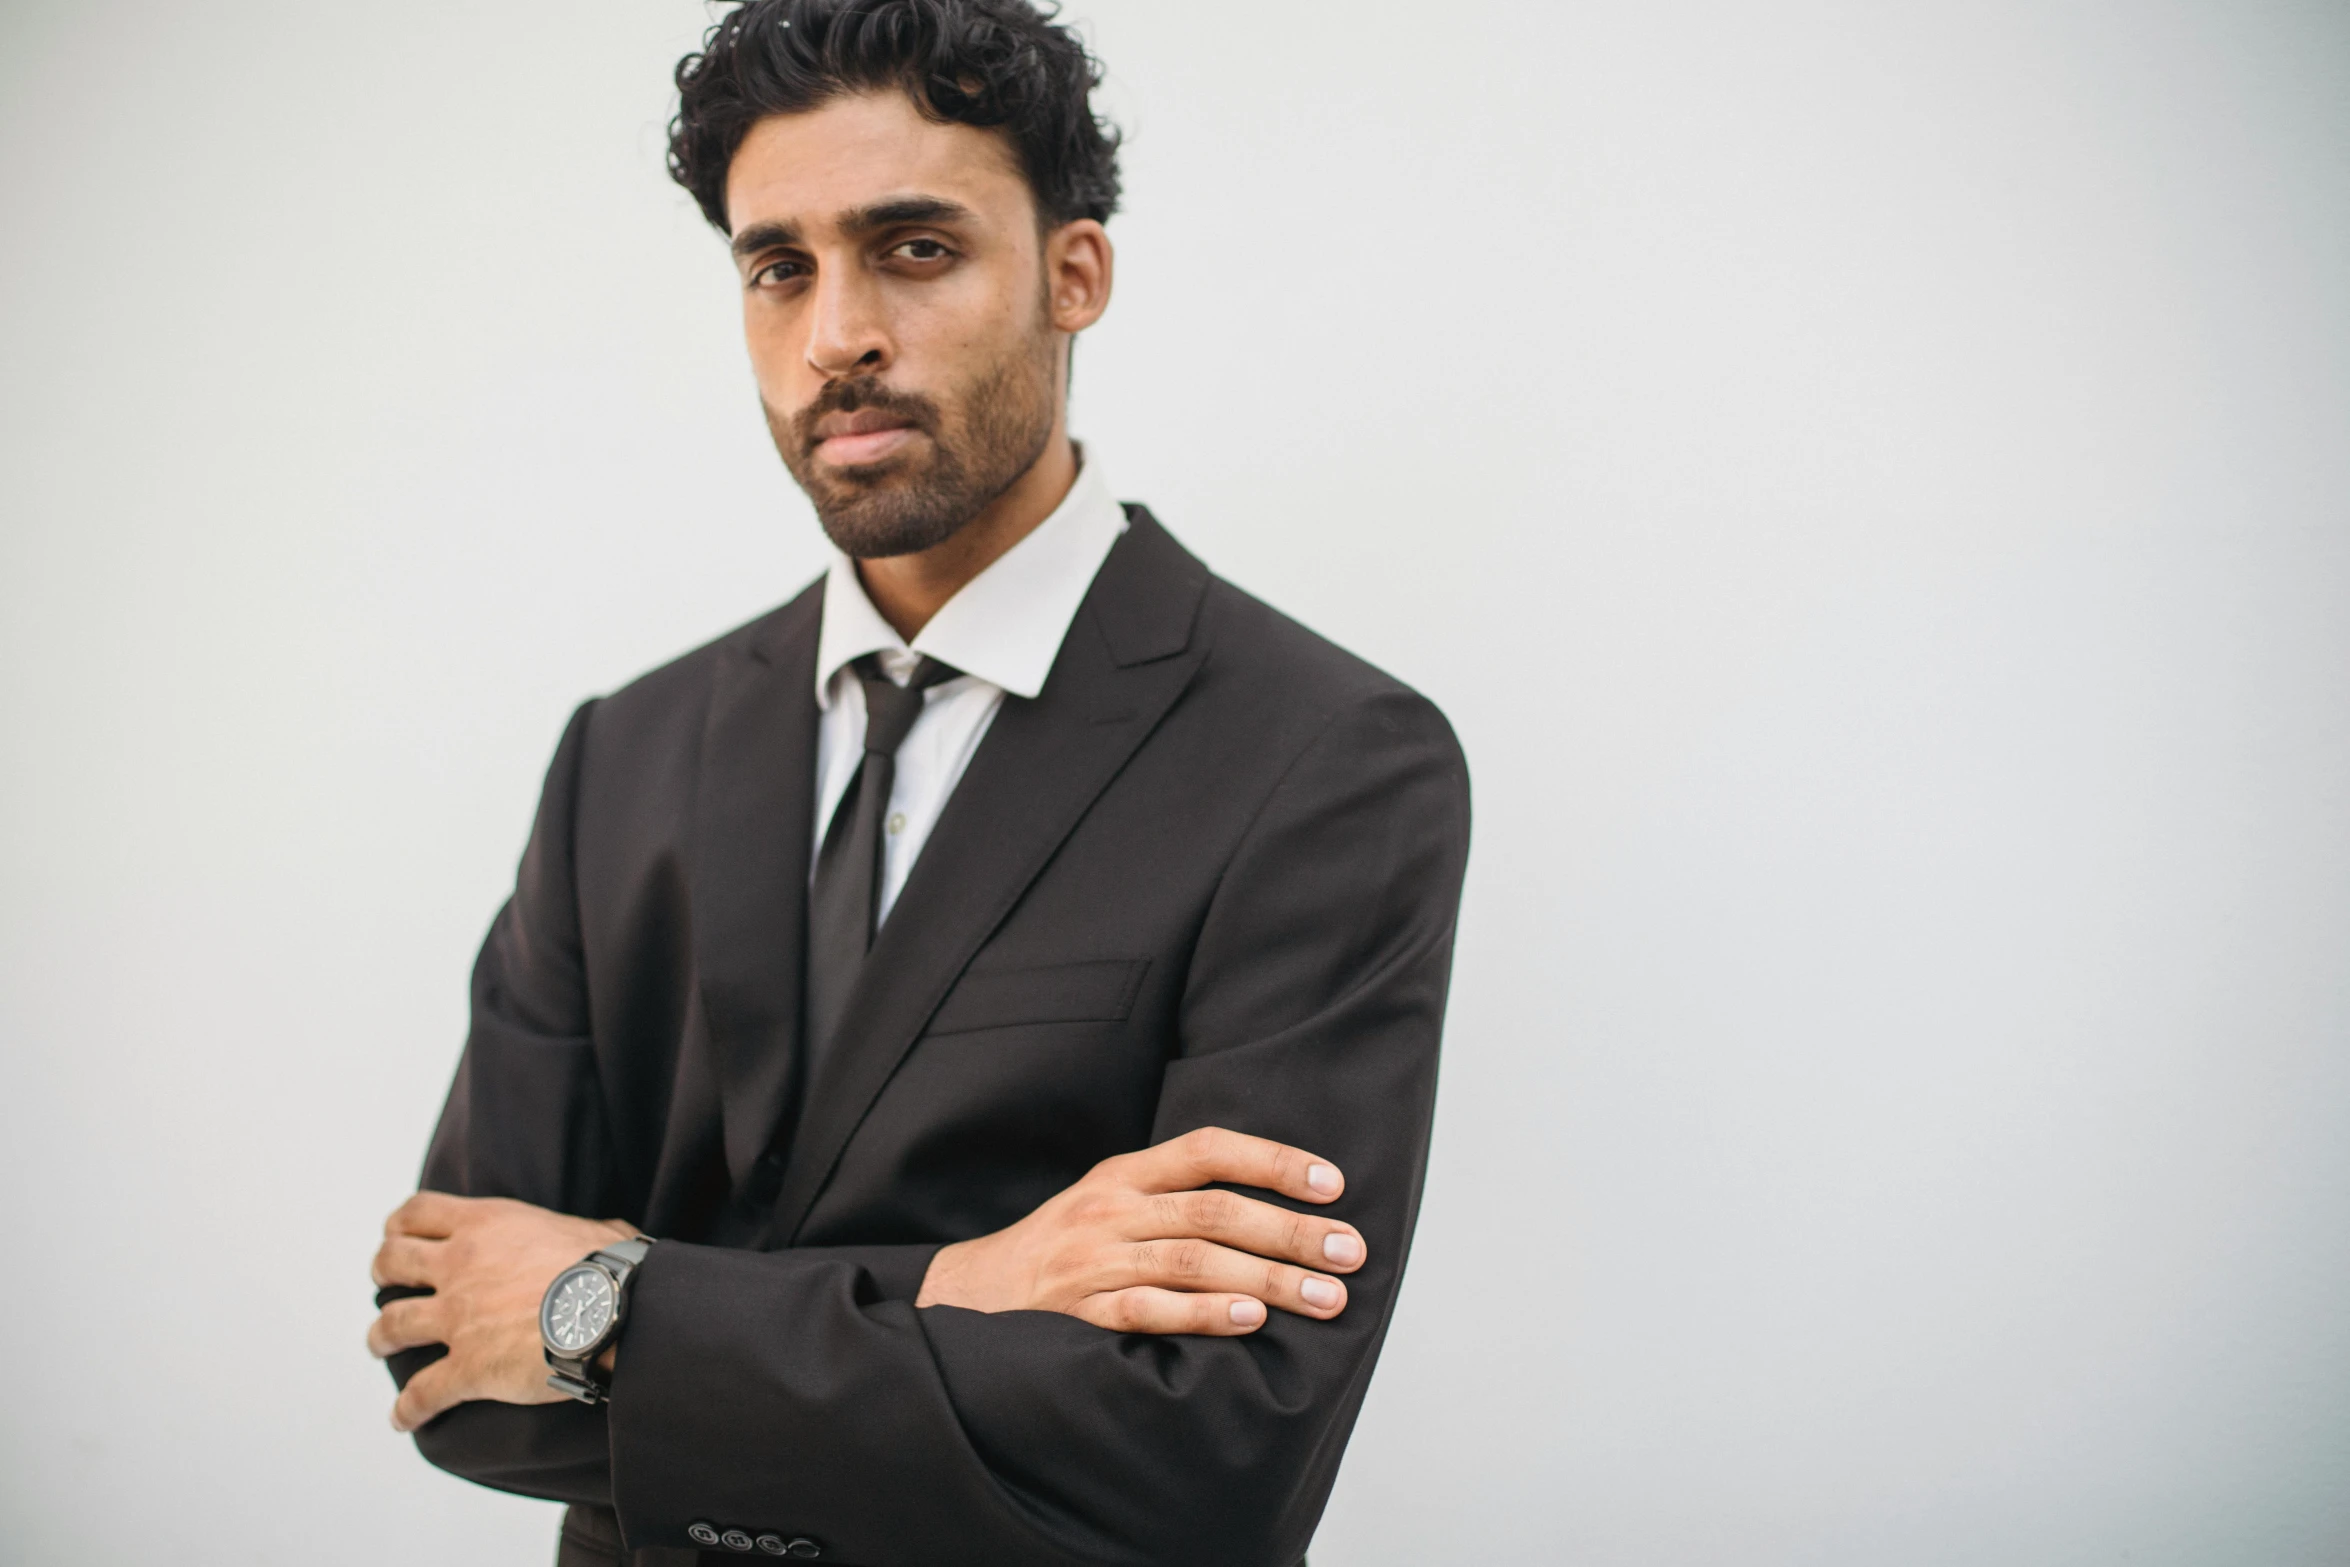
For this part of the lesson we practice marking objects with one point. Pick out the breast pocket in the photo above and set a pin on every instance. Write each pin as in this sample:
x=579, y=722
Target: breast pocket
x=1100, y=990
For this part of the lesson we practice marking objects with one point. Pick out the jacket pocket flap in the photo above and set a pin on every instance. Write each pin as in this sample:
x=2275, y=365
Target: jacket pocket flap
x=1099, y=991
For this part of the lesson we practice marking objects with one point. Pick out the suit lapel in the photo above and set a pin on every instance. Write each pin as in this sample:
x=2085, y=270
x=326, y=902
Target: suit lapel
x=1128, y=655
x=754, y=819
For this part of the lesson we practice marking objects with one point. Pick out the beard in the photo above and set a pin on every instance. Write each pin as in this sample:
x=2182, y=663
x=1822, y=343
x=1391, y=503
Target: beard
x=996, y=430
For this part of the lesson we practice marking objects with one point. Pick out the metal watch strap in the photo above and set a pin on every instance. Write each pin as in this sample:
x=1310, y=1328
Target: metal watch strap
x=625, y=1255
x=578, y=1377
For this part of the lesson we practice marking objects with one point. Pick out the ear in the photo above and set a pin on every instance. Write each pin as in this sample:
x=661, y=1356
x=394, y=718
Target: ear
x=1078, y=262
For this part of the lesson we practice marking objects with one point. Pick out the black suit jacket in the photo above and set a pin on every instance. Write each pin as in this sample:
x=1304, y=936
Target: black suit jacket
x=1207, y=877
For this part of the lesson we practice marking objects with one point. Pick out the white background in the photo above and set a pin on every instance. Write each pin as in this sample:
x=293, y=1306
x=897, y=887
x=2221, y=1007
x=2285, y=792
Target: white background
x=1869, y=482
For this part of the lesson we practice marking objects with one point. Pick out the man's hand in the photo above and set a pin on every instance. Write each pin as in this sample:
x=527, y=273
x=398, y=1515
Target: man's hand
x=1137, y=1247
x=488, y=1261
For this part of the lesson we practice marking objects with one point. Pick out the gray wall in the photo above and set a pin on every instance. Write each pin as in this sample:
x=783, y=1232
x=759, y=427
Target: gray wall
x=1871, y=484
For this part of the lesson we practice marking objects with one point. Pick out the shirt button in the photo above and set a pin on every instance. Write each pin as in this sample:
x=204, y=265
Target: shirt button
x=735, y=1540
x=702, y=1533
x=774, y=1545
x=897, y=823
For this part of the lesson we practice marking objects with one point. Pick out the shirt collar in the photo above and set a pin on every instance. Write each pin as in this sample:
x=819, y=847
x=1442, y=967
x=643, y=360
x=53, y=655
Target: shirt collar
x=1005, y=625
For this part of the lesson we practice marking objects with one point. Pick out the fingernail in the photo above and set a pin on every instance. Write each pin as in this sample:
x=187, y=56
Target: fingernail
x=1344, y=1250
x=1321, y=1178
x=1319, y=1292
x=1247, y=1313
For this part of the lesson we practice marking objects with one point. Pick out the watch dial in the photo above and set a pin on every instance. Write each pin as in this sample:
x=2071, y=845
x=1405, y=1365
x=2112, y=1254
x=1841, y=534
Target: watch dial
x=579, y=1310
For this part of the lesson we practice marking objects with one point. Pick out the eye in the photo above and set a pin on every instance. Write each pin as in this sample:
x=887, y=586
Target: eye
x=922, y=250
x=778, y=272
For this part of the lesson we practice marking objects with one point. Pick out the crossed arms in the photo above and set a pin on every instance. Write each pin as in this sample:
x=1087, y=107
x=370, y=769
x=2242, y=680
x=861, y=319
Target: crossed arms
x=1099, y=1382
x=1135, y=1247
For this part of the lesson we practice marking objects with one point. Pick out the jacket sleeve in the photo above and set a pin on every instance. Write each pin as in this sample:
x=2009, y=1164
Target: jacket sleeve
x=770, y=1392
x=525, y=1119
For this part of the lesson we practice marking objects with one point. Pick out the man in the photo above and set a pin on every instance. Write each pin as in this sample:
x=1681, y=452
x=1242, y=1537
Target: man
x=996, y=993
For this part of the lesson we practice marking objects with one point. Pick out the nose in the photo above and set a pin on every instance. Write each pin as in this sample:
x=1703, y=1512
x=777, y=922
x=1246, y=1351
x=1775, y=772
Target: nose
x=847, y=333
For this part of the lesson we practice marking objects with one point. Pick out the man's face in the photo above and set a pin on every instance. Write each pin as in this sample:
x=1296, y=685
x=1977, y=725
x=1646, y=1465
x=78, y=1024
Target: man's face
x=895, y=300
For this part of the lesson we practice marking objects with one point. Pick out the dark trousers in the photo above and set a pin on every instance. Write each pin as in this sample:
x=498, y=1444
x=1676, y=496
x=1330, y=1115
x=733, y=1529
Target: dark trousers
x=591, y=1538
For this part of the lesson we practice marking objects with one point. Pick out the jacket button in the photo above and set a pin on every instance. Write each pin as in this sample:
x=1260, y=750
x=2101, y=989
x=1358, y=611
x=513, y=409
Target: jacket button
x=735, y=1540
x=773, y=1545
x=702, y=1533
x=805, y=1547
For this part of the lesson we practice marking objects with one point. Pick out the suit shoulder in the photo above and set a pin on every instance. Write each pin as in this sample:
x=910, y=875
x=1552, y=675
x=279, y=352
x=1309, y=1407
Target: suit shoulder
x=1324, y=726
x=680, y=685
x=1259, y=647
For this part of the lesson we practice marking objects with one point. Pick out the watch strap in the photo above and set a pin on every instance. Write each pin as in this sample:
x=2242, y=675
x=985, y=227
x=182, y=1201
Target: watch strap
x=625, y=1255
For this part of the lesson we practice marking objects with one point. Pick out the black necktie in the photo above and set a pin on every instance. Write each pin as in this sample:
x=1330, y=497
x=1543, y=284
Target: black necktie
x=844, y=902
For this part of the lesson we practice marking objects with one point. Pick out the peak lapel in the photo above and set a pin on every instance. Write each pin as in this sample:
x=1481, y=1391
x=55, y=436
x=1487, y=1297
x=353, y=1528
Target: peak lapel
x=754, y=815
x=1128, y=655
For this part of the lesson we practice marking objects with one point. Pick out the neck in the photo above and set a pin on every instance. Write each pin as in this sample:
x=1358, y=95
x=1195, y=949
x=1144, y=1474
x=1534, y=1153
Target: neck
x=909, y=589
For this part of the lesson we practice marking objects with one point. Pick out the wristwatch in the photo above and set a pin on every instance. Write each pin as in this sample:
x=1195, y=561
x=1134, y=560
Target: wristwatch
x=580, y=1316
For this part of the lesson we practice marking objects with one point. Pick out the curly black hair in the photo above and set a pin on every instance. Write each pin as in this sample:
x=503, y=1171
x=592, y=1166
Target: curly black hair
x=995, y=64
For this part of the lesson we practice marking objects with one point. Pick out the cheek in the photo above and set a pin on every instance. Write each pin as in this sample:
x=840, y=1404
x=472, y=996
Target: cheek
x=947, y=328
x=778, y=360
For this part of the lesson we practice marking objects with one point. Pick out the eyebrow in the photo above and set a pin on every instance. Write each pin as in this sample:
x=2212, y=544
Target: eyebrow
x=893, y=213
x=764, y=236
x=901, y=210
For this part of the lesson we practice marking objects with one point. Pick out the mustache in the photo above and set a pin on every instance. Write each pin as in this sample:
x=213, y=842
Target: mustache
x=856, y=395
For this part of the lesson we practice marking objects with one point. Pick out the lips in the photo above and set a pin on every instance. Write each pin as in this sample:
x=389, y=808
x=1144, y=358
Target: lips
x=854, y=451
x=848, y=440
x=862, y=424
x=865, y=421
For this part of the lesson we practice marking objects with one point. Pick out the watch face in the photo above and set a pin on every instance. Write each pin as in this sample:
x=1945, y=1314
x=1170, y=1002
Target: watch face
x=578, y=1309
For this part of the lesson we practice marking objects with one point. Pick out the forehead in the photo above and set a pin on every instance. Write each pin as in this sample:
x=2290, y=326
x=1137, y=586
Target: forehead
x=803, y=169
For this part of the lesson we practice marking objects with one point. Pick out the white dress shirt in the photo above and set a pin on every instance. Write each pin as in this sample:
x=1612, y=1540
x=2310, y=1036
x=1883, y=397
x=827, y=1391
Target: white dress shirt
x=1002, y=630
